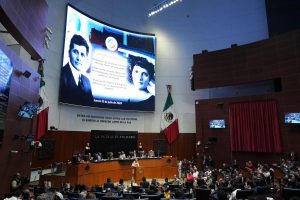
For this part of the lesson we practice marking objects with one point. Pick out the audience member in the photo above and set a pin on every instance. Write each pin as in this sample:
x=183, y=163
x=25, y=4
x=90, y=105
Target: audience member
x=121, y=185
x=108, y=184
x=16, y=185
x=144, y=183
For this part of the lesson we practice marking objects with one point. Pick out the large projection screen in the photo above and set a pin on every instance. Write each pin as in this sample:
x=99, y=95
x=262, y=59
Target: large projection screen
x=114, y=69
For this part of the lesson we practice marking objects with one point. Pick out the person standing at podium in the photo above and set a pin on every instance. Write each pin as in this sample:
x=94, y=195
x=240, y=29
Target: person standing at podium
x=135, y=163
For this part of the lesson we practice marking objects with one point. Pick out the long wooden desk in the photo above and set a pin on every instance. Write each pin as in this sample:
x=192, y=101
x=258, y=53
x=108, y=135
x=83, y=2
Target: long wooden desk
x=96, y=173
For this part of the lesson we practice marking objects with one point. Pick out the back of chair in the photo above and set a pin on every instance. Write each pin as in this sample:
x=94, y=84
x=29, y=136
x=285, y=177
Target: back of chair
x=287, y=193
x=131, y=195
x=151, y=197
x=98, y=189
x=202, y=193
x=136, y=188
x=73, y=195
x=264, y=189
x=99, y=195
x=133, y=199
x=244, y=194
x=172, y=187
x=110, y=198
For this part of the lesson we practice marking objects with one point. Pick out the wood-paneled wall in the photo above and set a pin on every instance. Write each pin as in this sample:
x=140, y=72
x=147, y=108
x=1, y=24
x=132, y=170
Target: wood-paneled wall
x=22, y=90
x=277, y=57
x=264, y=60
x=68, y=142
x=26, y=20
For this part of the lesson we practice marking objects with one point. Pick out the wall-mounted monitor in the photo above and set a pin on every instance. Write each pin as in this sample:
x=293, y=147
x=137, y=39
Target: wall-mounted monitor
x=105, y=66
x=217, y=123
x=292, y=118
x=28, y=110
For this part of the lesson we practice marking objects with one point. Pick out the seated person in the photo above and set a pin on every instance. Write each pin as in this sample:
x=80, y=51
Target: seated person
x=176, y=180
x=249, y=166
x=76, y=158
x=132, y=154
x=110, y=155
x=141, y=154
x=167, y=194
x=153, y=190
x=98, y=156
x=166, y=183
x=87, y=157
x=122, y=155
x=151, y=154
x=108, y=184
x=16, y=185
x=144, y=183
x=121, y=185
x=154, y=183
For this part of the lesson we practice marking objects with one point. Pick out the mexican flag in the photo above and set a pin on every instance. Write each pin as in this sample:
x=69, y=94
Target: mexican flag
x=42, y=115
x=169, y=120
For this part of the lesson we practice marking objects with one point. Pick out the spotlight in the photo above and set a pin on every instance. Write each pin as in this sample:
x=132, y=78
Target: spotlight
x=49, y=30
x=46, y=44
x=158, y=7
x=47, y=37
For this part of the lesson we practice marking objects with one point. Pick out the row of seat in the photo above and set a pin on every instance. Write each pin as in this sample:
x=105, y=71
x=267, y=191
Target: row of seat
x=199, y=193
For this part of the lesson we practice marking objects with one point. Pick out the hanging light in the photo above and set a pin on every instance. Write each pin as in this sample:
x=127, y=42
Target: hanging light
x=161, y=6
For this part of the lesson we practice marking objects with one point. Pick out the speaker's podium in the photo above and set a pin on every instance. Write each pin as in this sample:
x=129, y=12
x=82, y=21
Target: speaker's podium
x=137, y=174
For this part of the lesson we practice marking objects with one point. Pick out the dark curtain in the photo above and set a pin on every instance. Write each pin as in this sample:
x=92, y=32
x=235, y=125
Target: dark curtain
x=254, y=126
x=42, y=123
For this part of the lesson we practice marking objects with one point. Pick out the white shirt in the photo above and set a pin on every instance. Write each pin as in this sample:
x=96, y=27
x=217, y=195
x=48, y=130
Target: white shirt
x=135, y=164
x=75, y=73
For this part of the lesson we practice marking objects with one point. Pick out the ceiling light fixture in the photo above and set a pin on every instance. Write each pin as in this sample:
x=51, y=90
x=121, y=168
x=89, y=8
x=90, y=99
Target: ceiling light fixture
x=161, y=6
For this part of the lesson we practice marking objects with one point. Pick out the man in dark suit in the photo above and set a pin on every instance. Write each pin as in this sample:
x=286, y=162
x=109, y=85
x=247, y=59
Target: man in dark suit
x=108, y=184
x=144, y=183
x=75, y=87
